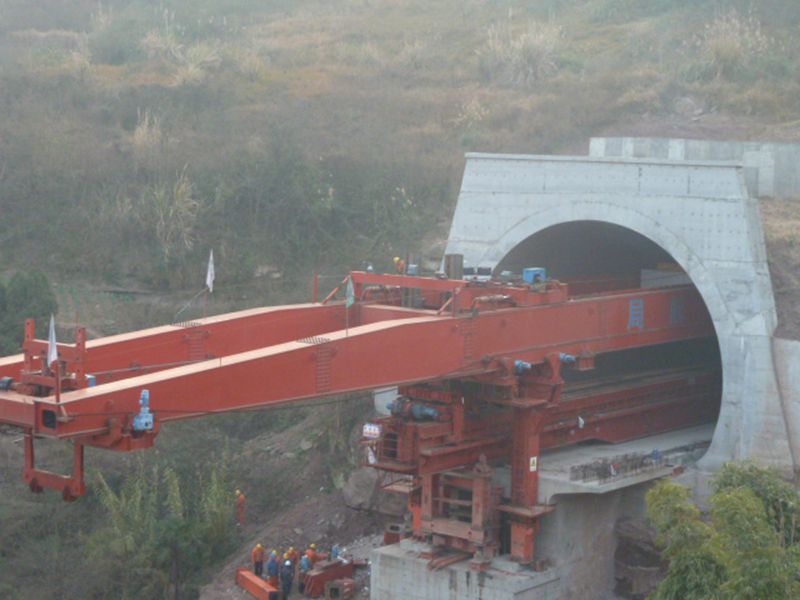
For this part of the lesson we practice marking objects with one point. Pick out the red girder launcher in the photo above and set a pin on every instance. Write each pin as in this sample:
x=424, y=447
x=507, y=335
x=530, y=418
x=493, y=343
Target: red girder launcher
x=479, y=365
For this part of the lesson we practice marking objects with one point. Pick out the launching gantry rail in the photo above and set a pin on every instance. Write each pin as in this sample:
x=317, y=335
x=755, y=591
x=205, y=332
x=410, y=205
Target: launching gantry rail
x=445, y=336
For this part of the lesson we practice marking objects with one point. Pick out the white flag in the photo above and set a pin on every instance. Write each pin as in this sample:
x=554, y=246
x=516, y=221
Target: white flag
x=52, y=349
x=210, y=272
x=350, y=293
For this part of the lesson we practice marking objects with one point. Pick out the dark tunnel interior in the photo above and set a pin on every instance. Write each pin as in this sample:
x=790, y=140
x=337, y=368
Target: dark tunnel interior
x=591, y=250
x=586, y=248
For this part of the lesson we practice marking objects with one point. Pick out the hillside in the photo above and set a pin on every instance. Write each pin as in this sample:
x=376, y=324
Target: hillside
x=293, y=136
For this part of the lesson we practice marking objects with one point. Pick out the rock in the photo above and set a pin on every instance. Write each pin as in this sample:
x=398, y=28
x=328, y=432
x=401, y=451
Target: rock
x=306, y=445
x=638, y=564
x=361, y=488
x=338, y=481
x=298, y=531
x=685, y=106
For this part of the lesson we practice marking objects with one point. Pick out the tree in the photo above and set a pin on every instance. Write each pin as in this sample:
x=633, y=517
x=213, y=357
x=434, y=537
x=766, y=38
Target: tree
x=695, y=573
x=757, y=565
x=165, y=528
x=748, y=550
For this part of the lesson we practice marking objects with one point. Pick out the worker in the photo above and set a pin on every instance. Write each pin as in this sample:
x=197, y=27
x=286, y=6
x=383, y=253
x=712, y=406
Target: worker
x=287, y=577
x=311, y=553
x=258, y=560
x=240, y=507
x=293, y=554
x=273, y=569
x=399, y=265
x=305, y=566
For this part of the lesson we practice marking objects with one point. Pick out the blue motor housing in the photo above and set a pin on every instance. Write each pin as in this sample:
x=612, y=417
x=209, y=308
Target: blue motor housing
x=420, y=412
x=534, y=275
x=144, y=420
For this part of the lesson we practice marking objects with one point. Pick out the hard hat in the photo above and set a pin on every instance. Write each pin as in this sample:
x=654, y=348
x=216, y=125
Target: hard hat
x=238, y=492
x=259, y=546
x=274, y=553
x=288, y=563
x=396, y=259
x=313, y=546
x=285, y=555
x=291, y=548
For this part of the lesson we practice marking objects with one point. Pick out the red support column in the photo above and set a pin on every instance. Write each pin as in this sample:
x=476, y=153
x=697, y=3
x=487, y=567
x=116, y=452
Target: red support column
x=426, y=508
x=525, y=456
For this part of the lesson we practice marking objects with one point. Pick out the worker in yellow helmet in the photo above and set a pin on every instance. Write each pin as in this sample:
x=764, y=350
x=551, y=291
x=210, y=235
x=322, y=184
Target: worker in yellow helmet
x=312, y=554
x=258, y=560
x=399, y=265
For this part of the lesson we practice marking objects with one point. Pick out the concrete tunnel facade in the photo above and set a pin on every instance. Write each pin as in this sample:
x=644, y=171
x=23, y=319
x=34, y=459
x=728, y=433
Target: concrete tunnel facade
x=701, y=215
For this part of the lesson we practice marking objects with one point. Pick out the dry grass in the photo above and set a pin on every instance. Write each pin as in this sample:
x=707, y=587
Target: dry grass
x=733, y=41
x=161, y=45
x=521, y=59
x=147, y=140
x=195, y=63
x=173, y=211
x=247, y=62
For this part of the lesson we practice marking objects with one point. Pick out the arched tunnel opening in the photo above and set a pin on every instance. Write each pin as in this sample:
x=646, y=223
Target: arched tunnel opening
x=597, y=257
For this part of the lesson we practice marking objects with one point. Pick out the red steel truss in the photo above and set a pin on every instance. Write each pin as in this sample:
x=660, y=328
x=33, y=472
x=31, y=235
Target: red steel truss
x=484, y=358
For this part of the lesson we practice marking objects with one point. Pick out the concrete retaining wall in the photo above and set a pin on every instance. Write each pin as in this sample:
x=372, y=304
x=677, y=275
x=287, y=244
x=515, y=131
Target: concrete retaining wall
x=787, y=368
x=771, y=170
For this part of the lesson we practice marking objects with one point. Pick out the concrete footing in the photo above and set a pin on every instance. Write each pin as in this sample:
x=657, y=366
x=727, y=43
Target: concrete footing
x=398, y=571
x=578, y=541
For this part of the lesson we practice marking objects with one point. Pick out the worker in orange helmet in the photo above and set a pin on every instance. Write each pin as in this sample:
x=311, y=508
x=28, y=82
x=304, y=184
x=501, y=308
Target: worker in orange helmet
x=258, y=560
x=400, y=265
x=241, y=502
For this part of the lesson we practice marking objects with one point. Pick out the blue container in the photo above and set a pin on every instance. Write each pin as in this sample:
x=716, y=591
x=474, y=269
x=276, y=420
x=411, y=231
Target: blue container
x=534, y=275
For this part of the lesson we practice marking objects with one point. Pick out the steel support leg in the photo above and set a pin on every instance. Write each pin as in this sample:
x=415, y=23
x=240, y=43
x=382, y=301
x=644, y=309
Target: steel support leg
x=71, y=487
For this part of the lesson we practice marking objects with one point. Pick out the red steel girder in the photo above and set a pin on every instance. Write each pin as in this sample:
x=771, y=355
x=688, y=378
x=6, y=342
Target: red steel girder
x=636, y=407
x=378, y=354
x=120, y=356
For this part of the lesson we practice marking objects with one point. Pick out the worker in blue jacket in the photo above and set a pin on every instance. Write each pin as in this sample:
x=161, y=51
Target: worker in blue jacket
x=273, y=569
x=305, y=566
